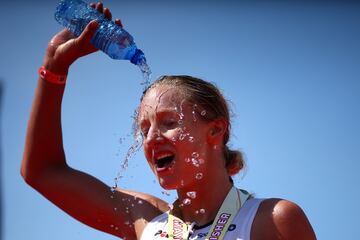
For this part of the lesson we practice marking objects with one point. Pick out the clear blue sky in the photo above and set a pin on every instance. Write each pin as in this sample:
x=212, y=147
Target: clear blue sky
x=290, y=70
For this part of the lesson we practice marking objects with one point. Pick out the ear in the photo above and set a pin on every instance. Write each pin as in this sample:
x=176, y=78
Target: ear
x=216, y=131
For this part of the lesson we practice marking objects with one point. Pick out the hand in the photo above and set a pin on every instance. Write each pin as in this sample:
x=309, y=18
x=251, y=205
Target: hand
x=64, y=48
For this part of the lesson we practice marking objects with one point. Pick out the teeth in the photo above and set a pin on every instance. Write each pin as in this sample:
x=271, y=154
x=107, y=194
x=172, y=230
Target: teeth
x=162, y=155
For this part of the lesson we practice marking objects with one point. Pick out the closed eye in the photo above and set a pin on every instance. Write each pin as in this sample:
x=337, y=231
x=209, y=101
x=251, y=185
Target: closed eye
x=171, y=123
x=144, y=132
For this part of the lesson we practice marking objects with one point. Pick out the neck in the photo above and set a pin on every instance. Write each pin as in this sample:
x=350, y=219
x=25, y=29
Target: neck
x=205, y=204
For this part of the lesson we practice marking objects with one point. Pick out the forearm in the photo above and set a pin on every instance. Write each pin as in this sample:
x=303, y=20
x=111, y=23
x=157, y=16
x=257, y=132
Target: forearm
x=44, y=146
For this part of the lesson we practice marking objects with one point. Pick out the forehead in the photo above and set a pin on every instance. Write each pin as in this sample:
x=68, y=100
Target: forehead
x=161, y=97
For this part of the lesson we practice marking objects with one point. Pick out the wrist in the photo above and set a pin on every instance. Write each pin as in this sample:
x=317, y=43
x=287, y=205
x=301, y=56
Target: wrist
x=58, y=68
x=51, y=77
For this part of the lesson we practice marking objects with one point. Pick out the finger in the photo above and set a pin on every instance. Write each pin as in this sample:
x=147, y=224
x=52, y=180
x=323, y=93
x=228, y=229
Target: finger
x=88, y=32
x=119, y=23
x=107, y=13
x=100, y=7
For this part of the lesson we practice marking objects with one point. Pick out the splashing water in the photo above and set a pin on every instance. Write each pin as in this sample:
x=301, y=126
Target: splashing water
x=194, y=112
x=191, y=194
x=194, y=160
x=182, y=136
x=124, y=165
x=165, y=193
x=186, y=201
x=146, y=72
x=195, y=155
x=199, y=176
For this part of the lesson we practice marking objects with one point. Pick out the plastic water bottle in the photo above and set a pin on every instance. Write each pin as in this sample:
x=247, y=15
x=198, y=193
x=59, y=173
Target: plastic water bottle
x=109, y=37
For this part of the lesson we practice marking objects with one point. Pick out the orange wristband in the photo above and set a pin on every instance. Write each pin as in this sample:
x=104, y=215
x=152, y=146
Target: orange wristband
x=51, y=77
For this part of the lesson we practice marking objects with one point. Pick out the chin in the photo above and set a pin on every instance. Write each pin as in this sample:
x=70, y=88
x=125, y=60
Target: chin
x=168, y=185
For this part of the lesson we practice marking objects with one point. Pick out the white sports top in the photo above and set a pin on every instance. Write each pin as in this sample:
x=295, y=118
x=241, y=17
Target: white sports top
x=239, y=229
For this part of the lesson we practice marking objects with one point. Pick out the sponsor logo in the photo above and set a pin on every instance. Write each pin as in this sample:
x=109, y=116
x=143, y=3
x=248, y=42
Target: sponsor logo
x=178, y=229
x=220, y=224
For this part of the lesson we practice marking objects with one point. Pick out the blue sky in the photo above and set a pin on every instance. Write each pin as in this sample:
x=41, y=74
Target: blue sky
x=290, y=70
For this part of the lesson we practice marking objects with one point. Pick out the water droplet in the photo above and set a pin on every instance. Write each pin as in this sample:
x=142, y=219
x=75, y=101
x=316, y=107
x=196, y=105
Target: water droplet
x=195, y=154
x=132, y=205
x=203, y=113
x=191, y=139
x=115, y=209
x=187, y=160
x=116, y=228
x=113, y=189
x=165, y=193
x=111, y=196
x=199, y=176
x=186, y=201
x=195, y=162
x=196, y=212
x=215, y=147
x=112, y=225
x=182, y=137
x=202, y=211
x=127, y=222
x=194, y=112
x=194, y=115
x=191, y=194
x=140, y=202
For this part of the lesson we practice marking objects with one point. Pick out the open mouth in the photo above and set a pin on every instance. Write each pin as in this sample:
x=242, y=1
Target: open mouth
x=164, y=161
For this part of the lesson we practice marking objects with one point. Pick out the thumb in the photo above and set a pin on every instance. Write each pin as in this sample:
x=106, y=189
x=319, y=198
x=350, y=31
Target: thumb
x=88, y=32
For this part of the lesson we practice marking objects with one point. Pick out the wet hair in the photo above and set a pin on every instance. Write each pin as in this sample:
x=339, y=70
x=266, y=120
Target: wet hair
x=206, y=98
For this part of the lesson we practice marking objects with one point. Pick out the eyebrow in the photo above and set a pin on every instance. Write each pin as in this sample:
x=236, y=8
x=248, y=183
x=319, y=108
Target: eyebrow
x=161, y=112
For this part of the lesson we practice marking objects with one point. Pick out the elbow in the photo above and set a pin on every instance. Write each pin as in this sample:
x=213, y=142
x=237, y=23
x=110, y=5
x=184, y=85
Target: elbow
x=29, y=178
x=32, y=173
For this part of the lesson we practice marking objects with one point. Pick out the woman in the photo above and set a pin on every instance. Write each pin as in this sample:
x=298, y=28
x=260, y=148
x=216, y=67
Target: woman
x=185, y=126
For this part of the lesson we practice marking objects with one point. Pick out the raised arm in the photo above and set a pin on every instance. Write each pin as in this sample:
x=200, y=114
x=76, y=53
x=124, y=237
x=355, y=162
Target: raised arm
x=122, y=213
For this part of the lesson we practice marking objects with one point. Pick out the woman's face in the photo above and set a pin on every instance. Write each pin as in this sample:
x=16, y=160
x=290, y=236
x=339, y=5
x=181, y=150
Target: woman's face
x=175, y=137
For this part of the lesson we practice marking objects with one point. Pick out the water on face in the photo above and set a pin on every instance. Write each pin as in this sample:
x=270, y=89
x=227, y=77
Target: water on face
x=191, y=194
x=198, y=176
x=186, y=201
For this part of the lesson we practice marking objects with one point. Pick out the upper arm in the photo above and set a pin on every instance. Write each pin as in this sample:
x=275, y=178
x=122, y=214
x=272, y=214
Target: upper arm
x=121, y=213
x=281, y=219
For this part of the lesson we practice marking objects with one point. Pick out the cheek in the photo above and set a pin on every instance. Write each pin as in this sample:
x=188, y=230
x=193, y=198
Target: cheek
x=174, y=135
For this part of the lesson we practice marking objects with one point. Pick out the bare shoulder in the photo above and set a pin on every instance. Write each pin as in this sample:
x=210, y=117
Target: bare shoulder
x=281, y=219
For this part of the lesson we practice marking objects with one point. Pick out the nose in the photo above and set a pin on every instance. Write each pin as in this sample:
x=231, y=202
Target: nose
x=154, y=136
